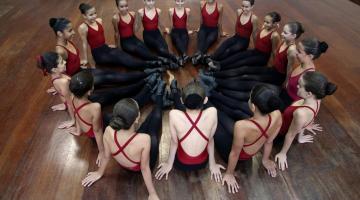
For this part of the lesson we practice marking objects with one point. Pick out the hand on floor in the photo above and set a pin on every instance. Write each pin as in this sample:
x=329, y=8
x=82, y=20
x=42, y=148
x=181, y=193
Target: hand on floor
x=91, y=178
x=66, y=124
x=231, y=182
x=270, y=166
x=314, y=127
x=58, y=107
x=282, y=161
x=216, y=173
x=164, y=169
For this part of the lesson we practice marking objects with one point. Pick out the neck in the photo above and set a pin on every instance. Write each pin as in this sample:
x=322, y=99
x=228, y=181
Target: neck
x=124, y=13
x=84, y=98
x=307, y=64
x=310, y=101
x=258, y=115
x=289, y=42
x=55, y=75
x=193, y=111
x=211, y=3
x=246, y=13
x=129, y=131
x=61, y=41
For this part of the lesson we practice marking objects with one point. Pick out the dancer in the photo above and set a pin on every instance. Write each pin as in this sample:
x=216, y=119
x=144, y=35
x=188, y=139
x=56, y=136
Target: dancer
x=179, y=15
x=251, y=135
x=135, y=150
x=191, y=150
x=92, y=34
x=210, y=27
x=312, y=87
x=246, y=27
x=149, y=16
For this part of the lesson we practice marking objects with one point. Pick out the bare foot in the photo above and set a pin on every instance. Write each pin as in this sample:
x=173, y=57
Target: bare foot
x=58, y=107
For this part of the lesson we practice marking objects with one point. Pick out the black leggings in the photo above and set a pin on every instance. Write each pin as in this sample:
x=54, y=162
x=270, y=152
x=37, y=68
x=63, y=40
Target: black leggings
x=133, y=45
x=154, y=40
x=207, y=36
x=236, y=84
x=106, y=55
x=254, y=73
x=234, y=104
x=223, y=137
x=180, y=38
x=152, y=126
x=238, y=95
x=249, y=57
x=112, y=95
x=230, y=46
x=109, y=77
x=234, y=114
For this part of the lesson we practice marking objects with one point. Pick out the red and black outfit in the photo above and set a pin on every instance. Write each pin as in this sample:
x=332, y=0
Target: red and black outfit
x=209, y=29
x=153, y=38
x=239, y=42
x=72, y=61
x=179, y=33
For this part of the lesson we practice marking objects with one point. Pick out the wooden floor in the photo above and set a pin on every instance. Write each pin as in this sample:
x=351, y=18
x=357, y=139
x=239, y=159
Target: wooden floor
x=38, y=161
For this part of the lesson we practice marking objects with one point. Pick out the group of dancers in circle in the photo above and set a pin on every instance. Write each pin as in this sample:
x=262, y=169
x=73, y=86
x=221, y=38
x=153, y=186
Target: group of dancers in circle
x=237, y=105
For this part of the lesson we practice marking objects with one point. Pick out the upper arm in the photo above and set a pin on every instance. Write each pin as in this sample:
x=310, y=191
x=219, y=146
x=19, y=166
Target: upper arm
x=115, y=21
x=275, y=39
x=173, y=114
x=99, y=20
x=255, y=23
x=83, y=32
x=97, y=120
x=214, y=117
x=107, y=150
x=240, y=129
x=61, y=51
x=298, y=122
x=145, y=153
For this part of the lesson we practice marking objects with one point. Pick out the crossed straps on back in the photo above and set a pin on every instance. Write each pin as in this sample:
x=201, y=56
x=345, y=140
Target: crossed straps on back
x=194, y=126
x=76, y=112
x=312, y=110
x=263, y=131
x=122, y=148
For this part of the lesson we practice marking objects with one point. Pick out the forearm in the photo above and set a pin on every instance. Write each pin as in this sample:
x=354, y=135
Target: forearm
x=172, y=153
x=289, y=138
x=210, y=149
x=233, y=159
x=117, y=40
x=103, y=165
x=146, y=173
x=99, y=140
x=267, y=151
x=84, y=53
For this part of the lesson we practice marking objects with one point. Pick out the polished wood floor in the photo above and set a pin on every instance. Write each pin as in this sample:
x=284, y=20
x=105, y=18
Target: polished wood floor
x=38, y=161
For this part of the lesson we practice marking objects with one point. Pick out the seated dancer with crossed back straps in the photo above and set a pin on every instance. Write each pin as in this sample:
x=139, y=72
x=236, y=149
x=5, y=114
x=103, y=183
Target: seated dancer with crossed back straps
x=192, y=130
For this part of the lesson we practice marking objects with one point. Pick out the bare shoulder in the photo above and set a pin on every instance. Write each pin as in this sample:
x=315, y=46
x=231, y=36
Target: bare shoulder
x=202, y=3
x=210, y=111
x=158, y=10
x=141, y=11
x=254, y=18
x=187, y=10
x=301, y=114
x=108, y=133
x=238, y=11
x=277, y=116
x=82, y=28
x=292, y=48
x=99, y=20
x=116, y=17
x=275, y=35
x=143, y=138
x=132, y=13
x=175, y=113
x=220, y=6
x=96, y=108
x=242, y=127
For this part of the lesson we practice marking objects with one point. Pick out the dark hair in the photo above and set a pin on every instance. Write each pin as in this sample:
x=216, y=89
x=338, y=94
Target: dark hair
x=252, y=2
x=318, y=84
x=265, y=98
x=313, y=46
x=81, y=83
x=193, y=95
x=296, y=28
x=84, y=7
x=59, y=24
x=274, y=16
x=124, y=114
x=117, y=2
x=47, y=61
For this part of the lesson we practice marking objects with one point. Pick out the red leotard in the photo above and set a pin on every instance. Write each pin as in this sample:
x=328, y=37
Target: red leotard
x=264, y=44
x=90, y=133
x=182, y=156
x=245, y=156
x=96, y=38
x=288, y=116
x=121, y=149
x=210, y=20
x=72, y=61
x=150, y=24
x=244, y=30
x=280, y=60
x=126, y=29
x=179, y=22
x=291, y=88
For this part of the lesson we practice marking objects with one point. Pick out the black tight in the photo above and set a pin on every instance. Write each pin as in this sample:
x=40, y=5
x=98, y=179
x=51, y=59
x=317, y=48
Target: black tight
x=152, y=126
x=112, y=95
x=180, y=39
x=223, y=137
x=109, y=77
x=207, y=36
x=238, y=95
x=230, y=46
x=154, y=40
x=249, y=57
x=133, y=45
x=105, y=55
x=254, y=73
x=230, y=103
x=236, y=84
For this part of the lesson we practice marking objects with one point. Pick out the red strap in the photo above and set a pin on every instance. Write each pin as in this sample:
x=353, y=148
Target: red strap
x=314, y=111
x=76, y=111
x=263, y=132
x=121, y=148
x=194, y=126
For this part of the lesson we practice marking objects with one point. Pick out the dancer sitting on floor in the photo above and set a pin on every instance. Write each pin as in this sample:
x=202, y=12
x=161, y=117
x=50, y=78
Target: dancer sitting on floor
x=192, y=130
x=250, y=135
x=92, y=34
x=210, y=28
x=150, y=18
x=312, y=87
x=135, y=150
x=246, y=27
x=179, y=15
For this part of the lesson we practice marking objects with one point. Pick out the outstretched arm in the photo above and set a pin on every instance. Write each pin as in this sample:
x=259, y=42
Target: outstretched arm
x=97, y=127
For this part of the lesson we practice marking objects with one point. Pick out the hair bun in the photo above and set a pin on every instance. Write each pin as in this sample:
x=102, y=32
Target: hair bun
x=323, y=46
x=117, y=123
x=81, y=6
x=52, y=22
x=330, y=88
x=274, y=103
